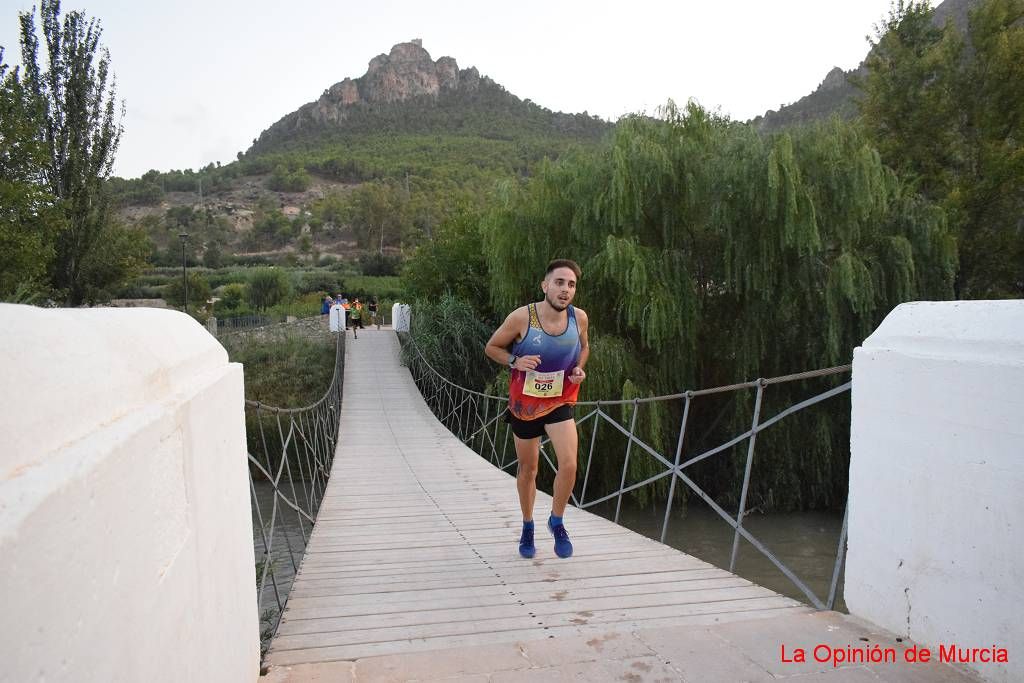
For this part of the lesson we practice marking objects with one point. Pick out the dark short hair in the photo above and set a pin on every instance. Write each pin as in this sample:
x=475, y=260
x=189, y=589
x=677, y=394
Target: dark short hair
x=564, y=263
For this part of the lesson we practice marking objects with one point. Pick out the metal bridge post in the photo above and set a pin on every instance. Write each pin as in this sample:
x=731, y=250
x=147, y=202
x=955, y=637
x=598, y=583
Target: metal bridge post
x=590, y=456
x=483, y=431
x=840, y=554
x=675, y=468
x=746, y=474
x=625, y=464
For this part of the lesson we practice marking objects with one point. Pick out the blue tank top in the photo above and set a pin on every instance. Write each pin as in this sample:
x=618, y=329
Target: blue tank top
x=536, y=393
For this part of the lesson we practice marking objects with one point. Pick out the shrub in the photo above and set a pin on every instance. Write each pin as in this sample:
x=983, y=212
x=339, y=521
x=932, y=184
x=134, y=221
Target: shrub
x=231, y=296
x=320, y=281
x=267, y=287
x=379, y=264
x=198, y=291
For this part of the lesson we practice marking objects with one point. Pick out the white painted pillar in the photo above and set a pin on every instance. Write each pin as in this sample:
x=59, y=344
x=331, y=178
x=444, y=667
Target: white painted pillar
x=401, y=317
x=126, y=547
x=936, y=546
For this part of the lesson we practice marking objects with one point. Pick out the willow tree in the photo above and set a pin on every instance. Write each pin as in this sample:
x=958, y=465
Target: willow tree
x=712, y=254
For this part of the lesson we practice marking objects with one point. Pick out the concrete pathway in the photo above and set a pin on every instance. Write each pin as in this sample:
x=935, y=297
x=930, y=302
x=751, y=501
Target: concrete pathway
x=412, y=573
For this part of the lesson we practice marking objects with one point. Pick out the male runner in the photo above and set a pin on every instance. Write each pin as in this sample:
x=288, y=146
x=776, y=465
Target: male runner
x=545, y=345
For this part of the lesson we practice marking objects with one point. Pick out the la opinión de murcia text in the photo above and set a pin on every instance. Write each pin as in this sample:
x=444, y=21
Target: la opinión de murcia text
x=877, y=654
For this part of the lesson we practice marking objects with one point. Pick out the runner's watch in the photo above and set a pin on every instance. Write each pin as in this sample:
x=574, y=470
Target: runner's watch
x=512, y=361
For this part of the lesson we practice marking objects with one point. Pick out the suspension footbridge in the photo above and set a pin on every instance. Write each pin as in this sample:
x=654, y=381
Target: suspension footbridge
x=412, y=569
x=139, y=505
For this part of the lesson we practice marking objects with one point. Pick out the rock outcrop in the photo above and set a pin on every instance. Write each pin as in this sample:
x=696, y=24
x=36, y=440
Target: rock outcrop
x=406, y=72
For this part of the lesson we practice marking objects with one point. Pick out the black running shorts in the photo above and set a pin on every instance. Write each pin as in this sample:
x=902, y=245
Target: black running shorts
x=531, y=429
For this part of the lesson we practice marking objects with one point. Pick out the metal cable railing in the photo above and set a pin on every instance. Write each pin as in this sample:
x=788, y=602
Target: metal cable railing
x=474, y=417
x=246, y=322
x=290, y=455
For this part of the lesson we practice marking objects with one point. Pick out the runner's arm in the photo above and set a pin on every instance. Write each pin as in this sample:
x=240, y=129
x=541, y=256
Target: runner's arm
x=499, y=346
x=584, y=324
x=578, y=375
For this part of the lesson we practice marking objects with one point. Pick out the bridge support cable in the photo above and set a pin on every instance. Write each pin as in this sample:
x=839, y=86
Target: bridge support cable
x=291, y=451
x=449, y=402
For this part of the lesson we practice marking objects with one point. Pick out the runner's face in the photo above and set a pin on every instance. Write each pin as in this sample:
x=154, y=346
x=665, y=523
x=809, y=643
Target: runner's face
x=559, y=288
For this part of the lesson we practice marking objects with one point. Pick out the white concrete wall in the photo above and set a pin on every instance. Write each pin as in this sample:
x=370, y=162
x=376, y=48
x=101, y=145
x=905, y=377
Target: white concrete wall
x=125, y=533
x=936, y=547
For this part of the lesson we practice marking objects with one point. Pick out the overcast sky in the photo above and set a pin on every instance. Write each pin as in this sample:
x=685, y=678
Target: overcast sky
x=202, y=78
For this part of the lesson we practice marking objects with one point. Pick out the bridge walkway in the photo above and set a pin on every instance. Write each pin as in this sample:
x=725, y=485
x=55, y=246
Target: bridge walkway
x=412, y=572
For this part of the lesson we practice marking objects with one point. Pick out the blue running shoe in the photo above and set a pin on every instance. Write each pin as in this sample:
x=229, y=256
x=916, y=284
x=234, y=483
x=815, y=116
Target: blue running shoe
x=526, y=547
x=563, y=546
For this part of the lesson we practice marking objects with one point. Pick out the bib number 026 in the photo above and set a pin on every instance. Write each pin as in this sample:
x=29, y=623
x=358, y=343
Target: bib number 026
x=544, y=384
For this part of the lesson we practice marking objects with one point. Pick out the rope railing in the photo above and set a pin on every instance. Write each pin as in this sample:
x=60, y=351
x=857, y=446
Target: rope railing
x=475, y=418
x=290, y=455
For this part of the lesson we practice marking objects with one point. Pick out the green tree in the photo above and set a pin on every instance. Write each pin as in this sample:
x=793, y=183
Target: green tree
x=267, y=287
x=272, y=228
x=990, y=194
x=180, y=217
x=950, y=119
x=289, y=178
x=80, y=128
x=377, y=214
x=378, y=264
x=198, y=291
x=452, y=263
x=213, y=257
x=909, y=103
x=450, y=336
x=232, y=295
x=27, y=220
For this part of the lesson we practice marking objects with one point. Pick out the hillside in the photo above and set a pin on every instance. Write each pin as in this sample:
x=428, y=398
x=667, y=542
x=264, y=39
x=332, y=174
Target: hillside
x=837, y=93
x=407, y=92
x=373, y=165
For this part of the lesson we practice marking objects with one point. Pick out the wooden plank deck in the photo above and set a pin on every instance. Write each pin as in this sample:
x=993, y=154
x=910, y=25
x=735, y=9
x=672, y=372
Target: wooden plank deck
x=415, y=549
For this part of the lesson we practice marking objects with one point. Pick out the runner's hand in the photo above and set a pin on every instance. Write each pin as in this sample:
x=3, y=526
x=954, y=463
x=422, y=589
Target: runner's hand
x=525, y=363
x=577, y=375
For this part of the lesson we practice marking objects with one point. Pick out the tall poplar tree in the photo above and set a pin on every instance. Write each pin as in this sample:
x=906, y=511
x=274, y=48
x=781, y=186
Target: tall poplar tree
x=27, y=219
x=80, y=128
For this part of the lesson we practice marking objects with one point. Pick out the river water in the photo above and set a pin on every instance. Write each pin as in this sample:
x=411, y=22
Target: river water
x=286, y=547
x=806, y=542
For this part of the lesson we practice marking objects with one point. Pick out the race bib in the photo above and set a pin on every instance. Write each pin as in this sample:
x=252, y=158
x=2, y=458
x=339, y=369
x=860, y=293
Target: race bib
x=544, y=384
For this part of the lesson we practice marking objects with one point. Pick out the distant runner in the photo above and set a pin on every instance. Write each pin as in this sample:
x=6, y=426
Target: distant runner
x=355, y=314
x=374, y=320
x=546, y=346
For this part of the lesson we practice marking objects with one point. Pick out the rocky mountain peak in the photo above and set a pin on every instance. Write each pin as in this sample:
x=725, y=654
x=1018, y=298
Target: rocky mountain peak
x=407, y=89
x=836, y=78
x=406, y=71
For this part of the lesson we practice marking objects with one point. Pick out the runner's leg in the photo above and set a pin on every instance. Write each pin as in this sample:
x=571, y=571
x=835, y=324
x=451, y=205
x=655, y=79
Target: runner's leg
x=565, y=440
x=528, y=454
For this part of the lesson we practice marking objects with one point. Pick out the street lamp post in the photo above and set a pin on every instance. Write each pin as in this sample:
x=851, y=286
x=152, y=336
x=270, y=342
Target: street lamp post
x=184, y=279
